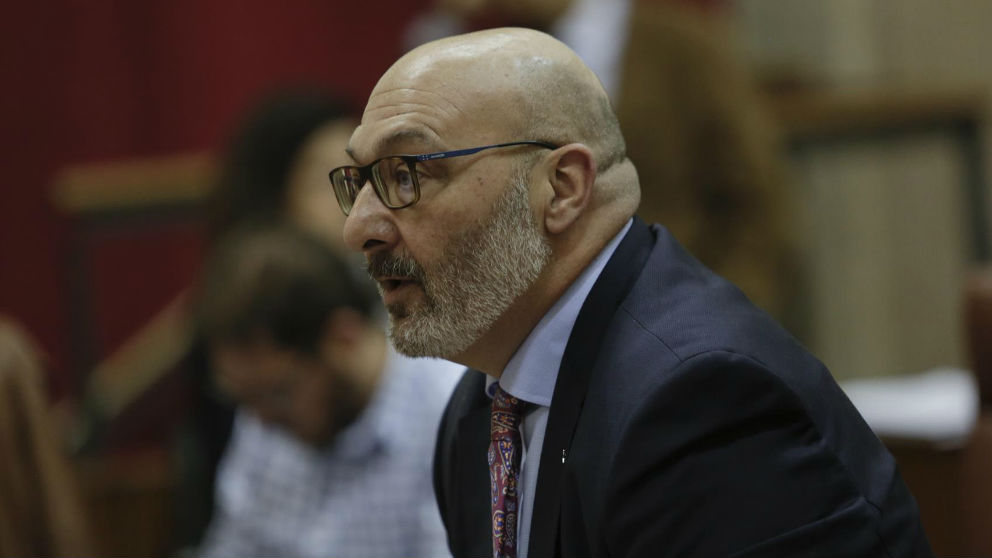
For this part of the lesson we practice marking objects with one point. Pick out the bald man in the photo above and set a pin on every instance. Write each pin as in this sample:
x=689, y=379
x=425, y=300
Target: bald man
x=622, y=399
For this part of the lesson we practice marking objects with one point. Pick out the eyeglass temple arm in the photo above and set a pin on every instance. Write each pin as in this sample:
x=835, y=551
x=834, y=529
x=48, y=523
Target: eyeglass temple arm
x=460, y=152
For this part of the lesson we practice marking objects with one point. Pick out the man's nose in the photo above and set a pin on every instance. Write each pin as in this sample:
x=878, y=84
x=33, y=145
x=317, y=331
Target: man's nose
x=370, y=226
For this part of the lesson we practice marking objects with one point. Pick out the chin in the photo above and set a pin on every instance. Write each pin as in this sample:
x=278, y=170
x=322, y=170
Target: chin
x=414, y=338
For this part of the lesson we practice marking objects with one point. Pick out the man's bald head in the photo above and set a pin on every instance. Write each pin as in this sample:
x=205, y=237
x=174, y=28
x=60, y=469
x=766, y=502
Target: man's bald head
x=523, y=83
x=522, y=222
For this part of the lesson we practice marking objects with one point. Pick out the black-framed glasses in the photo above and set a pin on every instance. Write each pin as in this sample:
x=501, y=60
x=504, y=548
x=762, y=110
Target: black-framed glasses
x=394, y=178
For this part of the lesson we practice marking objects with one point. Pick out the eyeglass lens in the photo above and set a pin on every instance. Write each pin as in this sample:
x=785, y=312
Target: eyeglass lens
x=391, y=177
x=347, y=182
x=397, y=182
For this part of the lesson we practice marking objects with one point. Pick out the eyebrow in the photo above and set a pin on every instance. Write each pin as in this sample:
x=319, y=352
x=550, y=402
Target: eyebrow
x=399, y=136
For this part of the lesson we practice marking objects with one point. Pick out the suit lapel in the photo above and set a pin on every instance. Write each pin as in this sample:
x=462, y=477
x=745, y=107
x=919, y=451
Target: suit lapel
x=472, y=443
x=581, y=352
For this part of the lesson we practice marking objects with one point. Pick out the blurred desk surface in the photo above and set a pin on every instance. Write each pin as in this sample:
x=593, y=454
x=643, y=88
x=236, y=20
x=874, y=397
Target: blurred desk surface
x=134, y=184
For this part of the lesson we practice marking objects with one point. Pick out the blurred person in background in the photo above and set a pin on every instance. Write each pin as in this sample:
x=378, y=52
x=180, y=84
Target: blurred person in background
x=693, y=120
x=274, y=171
x=330, y=454
x=276, y=165
x=40, y=511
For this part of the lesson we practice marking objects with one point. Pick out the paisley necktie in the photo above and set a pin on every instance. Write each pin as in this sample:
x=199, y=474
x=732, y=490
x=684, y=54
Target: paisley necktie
x=505, y=449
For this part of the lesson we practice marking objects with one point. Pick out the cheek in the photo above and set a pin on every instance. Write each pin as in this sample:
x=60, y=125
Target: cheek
x=429, y=231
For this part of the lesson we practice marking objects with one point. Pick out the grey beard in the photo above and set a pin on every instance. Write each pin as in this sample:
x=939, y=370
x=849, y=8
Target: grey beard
x=483, y=271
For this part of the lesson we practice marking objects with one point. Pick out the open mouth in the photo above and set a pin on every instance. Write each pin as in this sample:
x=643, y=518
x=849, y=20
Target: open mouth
x=392, y=283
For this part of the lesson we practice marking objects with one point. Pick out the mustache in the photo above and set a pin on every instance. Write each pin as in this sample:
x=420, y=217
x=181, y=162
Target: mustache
x=388, y=265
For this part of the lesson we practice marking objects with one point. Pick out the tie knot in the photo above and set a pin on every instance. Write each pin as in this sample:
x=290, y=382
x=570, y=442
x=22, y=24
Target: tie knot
x=506, y=412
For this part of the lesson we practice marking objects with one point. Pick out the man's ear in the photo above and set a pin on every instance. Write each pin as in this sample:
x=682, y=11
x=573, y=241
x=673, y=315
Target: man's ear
x=572, y=173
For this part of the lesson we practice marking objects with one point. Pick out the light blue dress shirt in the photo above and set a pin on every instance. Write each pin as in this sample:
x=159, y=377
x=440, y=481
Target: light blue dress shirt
x=531, y=374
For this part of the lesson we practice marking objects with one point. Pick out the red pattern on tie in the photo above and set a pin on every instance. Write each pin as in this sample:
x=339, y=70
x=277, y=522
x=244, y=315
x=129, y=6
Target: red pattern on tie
x=505, y=449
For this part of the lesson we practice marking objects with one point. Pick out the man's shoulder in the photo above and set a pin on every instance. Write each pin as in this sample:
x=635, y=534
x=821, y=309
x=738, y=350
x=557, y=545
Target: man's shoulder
x=679, y=308
x=679, y=319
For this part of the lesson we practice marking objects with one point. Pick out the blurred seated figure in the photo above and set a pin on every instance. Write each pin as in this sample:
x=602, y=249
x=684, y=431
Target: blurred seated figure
x=272, y=170
x=40, y=512
x=332, y=443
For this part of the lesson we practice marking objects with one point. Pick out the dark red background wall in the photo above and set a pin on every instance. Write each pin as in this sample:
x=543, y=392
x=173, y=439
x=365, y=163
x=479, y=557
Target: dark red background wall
x=102, y=80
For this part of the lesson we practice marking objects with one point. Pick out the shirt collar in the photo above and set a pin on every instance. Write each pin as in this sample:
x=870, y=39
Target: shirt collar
x=532, y=371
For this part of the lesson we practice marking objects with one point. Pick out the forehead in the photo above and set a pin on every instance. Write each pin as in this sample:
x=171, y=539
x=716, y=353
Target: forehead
x=435, y=108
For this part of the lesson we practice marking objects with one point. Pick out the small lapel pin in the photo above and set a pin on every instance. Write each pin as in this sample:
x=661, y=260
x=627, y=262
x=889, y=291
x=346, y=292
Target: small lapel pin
x=563, y=455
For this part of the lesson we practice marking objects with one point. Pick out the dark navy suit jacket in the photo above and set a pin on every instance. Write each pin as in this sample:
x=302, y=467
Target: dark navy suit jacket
x=690, y=423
